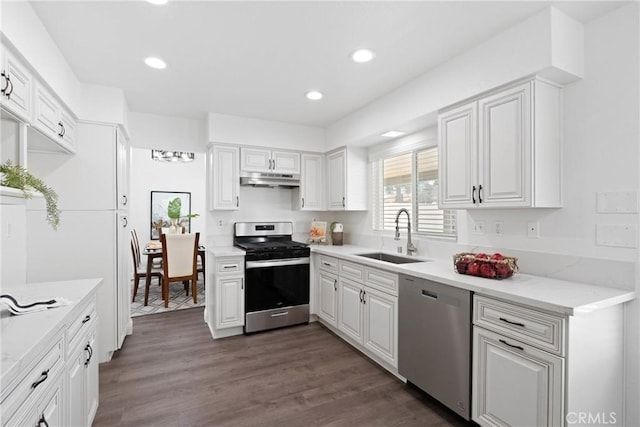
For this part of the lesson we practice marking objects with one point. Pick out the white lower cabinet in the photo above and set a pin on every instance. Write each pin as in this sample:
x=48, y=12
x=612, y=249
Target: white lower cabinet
x=328, y=297
x=515, y=384
x=224, y=311
x=537, y=368
x=361, y=303
x=82, y=369
x=48, y=412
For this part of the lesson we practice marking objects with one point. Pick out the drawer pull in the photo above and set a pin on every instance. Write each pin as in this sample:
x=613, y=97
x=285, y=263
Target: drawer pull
x=43, y=377
x=89, y=350
x=511, y=345
x=429, y=294
x=282, y=313
x=512, y=323
x=43, y=421
x=230, y=266
x=326, y=263
x=86, y=319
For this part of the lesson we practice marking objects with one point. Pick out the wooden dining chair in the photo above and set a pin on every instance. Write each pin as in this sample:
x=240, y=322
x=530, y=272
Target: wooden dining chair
x=180, y=262
x=140, y=272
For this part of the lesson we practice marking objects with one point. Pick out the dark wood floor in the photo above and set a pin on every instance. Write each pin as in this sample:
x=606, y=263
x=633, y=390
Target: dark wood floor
x=170, y=372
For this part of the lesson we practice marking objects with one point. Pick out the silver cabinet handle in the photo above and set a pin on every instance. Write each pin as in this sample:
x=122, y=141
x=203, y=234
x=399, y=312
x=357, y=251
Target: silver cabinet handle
x=335, y=285
x=343, y=205
x=237, y=201
x=242, y=283
x=303, y=202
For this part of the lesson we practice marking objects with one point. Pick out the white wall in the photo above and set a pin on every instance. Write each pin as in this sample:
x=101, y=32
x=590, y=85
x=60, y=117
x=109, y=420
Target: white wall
x=167, y=133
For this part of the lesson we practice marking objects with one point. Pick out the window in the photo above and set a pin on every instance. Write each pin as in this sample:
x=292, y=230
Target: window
x=410, y=181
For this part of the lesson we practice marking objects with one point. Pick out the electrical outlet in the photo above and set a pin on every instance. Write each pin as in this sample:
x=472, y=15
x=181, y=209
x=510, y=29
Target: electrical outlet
x=478, y=227
x=498, y=227
x=220, y=223
x=533, y=229
x=399, y=249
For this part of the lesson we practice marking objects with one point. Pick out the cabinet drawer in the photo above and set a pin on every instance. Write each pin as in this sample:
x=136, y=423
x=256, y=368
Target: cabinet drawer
x=81, y=322
x=352, y=271
x=382, y=280
x=328, y=263
x=37, y=379
x=230, y=265
x=530, y=326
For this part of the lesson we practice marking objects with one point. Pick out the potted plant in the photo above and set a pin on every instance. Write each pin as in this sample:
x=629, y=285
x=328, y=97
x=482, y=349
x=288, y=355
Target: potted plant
x=174, y=213
x=15, y=176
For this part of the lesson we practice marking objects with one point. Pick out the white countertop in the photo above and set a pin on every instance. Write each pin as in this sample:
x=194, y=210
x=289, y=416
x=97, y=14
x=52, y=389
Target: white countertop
x=22, y=336
x=218, y=251
x=559, y=296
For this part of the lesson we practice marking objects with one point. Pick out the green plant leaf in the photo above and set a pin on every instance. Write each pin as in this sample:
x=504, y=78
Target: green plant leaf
x=173, y=210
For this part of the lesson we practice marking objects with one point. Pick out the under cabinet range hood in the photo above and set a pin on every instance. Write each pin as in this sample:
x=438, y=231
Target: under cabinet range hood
x=263, y=179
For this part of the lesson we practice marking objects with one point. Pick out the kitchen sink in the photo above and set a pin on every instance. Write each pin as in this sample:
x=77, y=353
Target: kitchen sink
x=393, y=259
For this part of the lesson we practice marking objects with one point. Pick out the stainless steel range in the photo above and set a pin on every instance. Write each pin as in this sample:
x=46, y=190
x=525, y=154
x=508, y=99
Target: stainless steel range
x=276, y=275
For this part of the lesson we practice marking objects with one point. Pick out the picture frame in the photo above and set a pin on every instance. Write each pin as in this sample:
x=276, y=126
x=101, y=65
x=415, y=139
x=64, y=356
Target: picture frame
x=318, y=232
x=159, y=217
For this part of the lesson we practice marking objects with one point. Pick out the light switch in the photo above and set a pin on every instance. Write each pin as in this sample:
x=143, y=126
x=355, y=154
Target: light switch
x=617, y=202
x=617, y=235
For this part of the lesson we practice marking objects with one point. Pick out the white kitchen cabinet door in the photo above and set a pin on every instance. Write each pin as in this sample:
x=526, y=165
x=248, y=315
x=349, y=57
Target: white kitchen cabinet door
x=504, y=141
x=225, y=178
x=515, y=384
x=285, y=162
x=336, y=169
x=312, y=185
x=457, y=156
x=328, y=297
x=123, y=289
x=350, y=308
x=123, y=161
x=347, y=179
x=381, y=325
x=92, y=382
x=256, y=160
x=82, y=380
x=17, y=84
x=52, y=120
x=229, y=301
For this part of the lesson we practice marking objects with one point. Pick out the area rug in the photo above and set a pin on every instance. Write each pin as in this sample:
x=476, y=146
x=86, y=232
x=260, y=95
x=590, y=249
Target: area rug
x=178, y=300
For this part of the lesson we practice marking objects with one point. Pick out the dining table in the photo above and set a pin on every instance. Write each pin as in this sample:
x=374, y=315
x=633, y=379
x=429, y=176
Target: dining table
x=153, y=250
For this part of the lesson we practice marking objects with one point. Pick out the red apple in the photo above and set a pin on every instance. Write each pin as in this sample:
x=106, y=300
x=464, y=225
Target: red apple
x=462, y=265
x=482, y=255
x=474, y=268
x=503, y=270
x=487, y=270
x=497, y=256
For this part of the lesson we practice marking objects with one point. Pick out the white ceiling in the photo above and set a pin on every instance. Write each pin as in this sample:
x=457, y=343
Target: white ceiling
x=257, y=59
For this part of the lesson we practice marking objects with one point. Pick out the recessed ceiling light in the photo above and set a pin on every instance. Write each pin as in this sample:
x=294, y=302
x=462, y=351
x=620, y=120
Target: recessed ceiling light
x=363, y=55
x=158, y=2
x=155, y=63
x=393, y=133
x=314, y=95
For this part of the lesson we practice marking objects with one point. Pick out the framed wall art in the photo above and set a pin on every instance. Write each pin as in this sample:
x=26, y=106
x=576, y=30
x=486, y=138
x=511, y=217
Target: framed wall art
x=160, y=215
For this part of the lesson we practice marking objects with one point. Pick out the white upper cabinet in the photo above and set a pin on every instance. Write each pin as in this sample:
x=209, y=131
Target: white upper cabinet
x=224, y=177
x=260, y=160
x=16, y=85
x=503, y=149
x=123, y=159
x=52, y=120
x=310, y=196
x=347, y=179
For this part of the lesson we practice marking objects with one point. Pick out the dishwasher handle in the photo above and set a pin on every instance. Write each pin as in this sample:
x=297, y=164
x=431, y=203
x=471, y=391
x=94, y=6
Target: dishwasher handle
x=428, y=294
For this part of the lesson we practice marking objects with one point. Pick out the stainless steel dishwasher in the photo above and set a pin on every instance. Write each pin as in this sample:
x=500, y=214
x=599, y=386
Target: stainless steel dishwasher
x=434, y=341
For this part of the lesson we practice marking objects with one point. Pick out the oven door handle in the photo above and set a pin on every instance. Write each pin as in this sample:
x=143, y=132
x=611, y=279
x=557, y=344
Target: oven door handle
x=276, y=263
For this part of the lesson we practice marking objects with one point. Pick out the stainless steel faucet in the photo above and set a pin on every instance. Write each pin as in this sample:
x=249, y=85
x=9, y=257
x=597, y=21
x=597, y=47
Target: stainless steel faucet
x=410, y=247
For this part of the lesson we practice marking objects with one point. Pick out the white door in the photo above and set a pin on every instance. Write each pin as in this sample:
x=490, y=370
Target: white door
x=457, y=167
x=225, y=178
x=336, y=175
x=285, y=162
x=312, y=186
x=381, y=325
x=229, y=302
x=350, y=299
x=256, y=160
x=504, y=147
x=515, y=384
x=328, y=290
